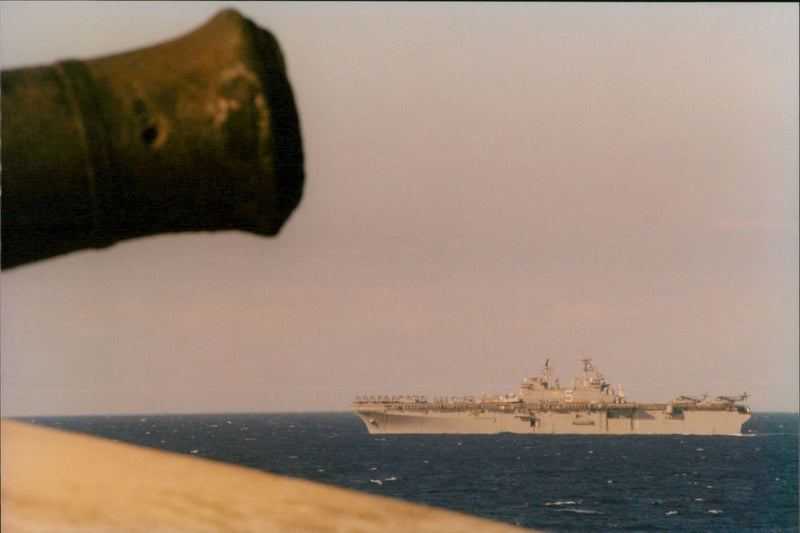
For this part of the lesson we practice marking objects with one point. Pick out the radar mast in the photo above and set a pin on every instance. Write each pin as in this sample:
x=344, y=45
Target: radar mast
x=546, y=372
x=587, y=367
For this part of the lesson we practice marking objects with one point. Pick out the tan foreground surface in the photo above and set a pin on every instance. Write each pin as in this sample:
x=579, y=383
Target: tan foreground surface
x=57, y=481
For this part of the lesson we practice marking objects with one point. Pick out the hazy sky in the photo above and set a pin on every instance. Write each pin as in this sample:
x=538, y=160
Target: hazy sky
x=487, y=185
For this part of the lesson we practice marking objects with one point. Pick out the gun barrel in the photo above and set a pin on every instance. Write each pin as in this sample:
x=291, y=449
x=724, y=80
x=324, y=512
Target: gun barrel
x=197, y=134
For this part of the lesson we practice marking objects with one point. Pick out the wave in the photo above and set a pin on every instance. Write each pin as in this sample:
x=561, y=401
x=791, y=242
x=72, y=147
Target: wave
x=579, y=511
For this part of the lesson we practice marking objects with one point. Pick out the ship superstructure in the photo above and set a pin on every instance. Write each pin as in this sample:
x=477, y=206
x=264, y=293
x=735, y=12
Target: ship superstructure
x=588, y=405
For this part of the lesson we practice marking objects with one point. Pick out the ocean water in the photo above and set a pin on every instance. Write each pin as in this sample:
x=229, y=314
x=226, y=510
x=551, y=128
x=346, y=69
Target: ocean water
x=556, y=483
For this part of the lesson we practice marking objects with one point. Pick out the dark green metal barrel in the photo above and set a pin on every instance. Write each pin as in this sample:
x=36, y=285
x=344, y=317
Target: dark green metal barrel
x=196, y=134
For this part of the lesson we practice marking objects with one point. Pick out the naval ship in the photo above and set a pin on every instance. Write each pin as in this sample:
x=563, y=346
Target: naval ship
x=588, y=405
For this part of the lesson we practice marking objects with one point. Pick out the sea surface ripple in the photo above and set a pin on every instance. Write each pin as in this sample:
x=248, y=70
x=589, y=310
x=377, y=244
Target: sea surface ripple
x=551, y=482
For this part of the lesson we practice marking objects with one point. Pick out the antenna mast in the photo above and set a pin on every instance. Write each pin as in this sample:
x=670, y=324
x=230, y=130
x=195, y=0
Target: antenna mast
x=587, y=367
x=546, y=369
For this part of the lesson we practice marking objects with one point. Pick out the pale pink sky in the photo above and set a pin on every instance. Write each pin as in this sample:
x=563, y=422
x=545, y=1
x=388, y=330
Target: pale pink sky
x=488, y=185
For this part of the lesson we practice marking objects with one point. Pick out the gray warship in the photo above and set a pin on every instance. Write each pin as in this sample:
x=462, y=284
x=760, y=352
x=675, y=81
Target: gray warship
x=588, y=405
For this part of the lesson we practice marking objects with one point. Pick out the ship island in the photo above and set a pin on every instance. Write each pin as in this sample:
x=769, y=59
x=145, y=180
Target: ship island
x=588, y=405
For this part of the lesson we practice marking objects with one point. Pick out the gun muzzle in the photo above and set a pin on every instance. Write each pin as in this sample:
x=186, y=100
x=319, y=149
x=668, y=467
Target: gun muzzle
x=199, y=133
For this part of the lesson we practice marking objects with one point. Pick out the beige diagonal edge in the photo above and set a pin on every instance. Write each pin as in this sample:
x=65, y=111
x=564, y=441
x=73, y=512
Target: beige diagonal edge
x=56, y=481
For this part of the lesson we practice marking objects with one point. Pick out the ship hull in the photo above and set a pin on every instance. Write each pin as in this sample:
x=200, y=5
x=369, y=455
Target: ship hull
x=631, y=421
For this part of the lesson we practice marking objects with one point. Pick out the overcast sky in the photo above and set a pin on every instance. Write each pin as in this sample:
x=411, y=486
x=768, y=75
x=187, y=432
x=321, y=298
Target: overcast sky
x=488, y=185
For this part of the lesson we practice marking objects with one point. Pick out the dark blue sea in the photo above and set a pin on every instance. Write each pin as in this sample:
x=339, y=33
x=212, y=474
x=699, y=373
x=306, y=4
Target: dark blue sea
x=551, y=482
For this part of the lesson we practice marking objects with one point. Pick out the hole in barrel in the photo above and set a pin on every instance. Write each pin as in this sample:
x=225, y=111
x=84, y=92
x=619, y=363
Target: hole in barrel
x=149, y=135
